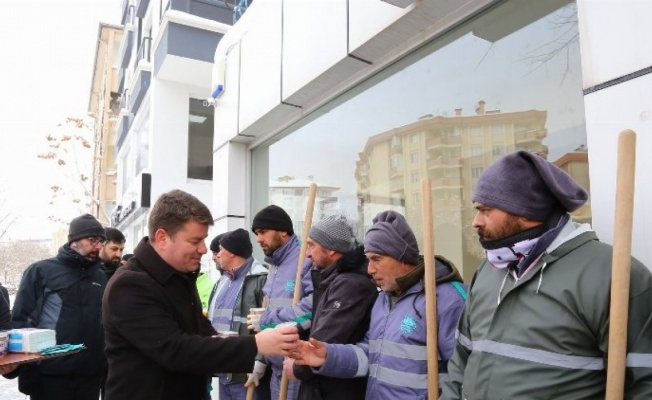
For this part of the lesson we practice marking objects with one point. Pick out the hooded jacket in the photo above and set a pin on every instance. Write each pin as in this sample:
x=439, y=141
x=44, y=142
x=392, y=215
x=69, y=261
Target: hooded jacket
x=342, y=301
x=64, y=293
x=545, y=334
x=393, y=353
x=158, y=342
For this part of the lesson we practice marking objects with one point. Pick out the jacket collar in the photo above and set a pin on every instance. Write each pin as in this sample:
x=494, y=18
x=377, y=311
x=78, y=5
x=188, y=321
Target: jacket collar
x=73, y=259
x=283, y=252
x=152, y=262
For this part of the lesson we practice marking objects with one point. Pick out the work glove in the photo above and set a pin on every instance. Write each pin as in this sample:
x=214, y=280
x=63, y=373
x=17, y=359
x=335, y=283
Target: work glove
x=256, y=375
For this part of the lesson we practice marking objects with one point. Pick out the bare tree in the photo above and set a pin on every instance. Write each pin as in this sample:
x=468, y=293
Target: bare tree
x=70, y=149
x=7, y=218
x=16, y=256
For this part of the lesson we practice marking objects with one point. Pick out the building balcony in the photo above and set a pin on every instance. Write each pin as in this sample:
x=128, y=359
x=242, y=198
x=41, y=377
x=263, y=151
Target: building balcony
x=141, y=8
x=444, y=162
x=395, y=171
x=142, y=76
x=446, y=183
x=126, y=6
x=185, y=54
x=124, y=121
x=396, y=185
x=127, y=44
x=121, y=130
x=396, y=149
x=121, y=79
x=214, y=10
x=444, y=141
x=534, y=135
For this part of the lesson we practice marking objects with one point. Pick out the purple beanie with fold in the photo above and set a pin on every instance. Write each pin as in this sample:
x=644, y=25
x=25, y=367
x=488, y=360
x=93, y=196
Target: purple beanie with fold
x=391, y=235
x=526, y=185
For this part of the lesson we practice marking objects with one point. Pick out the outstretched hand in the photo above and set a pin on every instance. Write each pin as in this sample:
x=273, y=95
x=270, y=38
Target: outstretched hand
x=312, y=353
x=278, y=341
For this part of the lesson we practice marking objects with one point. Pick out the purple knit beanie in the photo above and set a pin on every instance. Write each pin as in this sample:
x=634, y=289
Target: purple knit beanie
x=526, y=185
x=391, y=235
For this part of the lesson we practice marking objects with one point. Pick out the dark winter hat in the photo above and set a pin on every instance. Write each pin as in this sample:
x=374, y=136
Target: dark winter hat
x=85, y=226
x=391, y=235
x=333, y=233
x=274, y=218
x=237, y=242
x=127, y=256
x=215, y=243
x=526, y=185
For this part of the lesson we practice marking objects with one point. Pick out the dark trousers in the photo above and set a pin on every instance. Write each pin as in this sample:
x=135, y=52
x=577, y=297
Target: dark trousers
x=68, y=387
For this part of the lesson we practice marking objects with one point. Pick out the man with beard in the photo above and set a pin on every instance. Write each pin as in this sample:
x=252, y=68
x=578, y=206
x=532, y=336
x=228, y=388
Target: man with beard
x=343, y=297
x=536, y=322
x=393, y=353
x=275, y=234
x=64, y=293
x=111, y=253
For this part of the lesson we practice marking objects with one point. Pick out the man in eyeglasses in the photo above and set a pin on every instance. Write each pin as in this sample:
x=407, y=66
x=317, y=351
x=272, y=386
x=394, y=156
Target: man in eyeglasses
x=64, y=293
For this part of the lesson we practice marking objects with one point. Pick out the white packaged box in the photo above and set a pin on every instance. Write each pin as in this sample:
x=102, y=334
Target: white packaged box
x=31, y=340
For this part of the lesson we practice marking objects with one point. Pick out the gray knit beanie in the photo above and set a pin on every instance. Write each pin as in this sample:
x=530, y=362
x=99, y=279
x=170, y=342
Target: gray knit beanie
x=333, y=233
x=526, y=185
x=391, y=235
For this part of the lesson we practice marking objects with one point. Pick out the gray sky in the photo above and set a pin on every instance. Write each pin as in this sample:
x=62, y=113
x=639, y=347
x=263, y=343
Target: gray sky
x=47, y=53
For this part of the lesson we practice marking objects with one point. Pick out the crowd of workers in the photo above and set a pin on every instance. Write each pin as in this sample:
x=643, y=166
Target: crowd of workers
x=533, y=322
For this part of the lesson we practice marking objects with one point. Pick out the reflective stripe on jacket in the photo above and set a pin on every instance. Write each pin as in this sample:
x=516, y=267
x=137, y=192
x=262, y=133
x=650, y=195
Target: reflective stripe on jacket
x=547, y=337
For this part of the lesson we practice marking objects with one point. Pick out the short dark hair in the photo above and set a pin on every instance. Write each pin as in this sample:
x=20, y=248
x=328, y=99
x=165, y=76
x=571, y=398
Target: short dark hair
x=174, y=209
x=114, y=235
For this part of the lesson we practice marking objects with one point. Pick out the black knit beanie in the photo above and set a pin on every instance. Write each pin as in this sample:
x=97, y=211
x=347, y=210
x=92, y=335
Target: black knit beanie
x=237, y=242
x=274, y=218
x=85, y=226
x=215, y=243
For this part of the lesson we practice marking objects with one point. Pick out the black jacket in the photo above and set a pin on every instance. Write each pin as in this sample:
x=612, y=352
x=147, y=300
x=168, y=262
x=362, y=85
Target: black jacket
x=5, y=309
x=158, y=342
x=64, y=293
x=342, y=300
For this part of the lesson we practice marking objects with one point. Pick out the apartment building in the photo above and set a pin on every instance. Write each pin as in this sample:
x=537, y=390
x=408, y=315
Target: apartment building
x=310, y=88
x=164, y=135
x=103, y=108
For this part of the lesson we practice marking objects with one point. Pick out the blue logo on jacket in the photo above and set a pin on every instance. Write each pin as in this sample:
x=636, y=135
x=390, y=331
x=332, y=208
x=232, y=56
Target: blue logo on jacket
x=408, y=325
x=289, y=286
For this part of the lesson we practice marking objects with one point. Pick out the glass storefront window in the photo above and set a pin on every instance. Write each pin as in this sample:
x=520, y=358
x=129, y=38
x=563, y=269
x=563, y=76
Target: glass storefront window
x=462, y=102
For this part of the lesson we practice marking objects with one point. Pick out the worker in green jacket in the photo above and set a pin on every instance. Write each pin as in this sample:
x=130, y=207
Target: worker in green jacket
x=536, y=321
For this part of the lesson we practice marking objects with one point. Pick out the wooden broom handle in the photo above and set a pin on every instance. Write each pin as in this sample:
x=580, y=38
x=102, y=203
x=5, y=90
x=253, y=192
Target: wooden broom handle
x=430, y=290
x=307, y=223
x=621, y=264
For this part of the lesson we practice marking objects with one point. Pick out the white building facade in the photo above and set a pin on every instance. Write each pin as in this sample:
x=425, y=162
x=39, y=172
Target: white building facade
x=164, y=136
x=307, y=83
